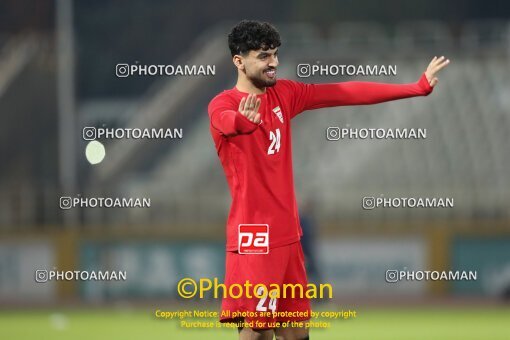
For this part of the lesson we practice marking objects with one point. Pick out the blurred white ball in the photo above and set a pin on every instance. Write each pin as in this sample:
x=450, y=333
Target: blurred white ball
x=95, y=152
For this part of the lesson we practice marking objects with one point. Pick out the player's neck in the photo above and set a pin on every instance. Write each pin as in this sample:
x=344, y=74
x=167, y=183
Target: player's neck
x=244, y=85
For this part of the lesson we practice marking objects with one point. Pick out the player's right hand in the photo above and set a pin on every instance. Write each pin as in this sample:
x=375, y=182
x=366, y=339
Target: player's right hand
x=249, y=107
x=434, y=67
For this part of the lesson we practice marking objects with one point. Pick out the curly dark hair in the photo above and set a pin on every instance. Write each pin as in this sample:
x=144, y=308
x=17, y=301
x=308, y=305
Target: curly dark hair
x=251, y=35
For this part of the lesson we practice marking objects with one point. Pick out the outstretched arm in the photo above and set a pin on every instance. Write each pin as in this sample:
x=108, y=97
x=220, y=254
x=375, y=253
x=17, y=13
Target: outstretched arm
x=317, y=96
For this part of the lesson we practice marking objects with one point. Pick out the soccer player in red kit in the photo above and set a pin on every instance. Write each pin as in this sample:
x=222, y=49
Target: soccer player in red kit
x=250, y=126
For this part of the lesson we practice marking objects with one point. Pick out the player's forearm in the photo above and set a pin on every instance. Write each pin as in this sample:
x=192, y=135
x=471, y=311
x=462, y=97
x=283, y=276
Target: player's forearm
x=232, y=123
x=363, y=93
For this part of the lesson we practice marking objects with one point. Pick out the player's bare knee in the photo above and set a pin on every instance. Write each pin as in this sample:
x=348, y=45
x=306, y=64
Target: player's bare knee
x=292, y=334
x=292, y=337
x=255, y=334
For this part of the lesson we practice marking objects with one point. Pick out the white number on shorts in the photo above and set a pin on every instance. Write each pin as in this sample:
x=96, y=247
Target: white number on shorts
x=260, y=305
x=272, y=304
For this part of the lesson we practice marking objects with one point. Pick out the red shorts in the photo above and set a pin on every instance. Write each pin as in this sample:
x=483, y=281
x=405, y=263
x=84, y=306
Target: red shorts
x=282, y=265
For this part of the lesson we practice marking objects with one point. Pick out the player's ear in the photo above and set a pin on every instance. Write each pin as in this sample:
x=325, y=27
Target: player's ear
x=238, y=62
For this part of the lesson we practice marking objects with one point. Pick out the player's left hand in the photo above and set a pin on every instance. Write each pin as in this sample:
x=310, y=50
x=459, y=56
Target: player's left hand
x=434, y=67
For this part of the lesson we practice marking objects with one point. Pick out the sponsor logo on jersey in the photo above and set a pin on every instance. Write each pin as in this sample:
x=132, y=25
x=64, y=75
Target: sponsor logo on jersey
x=253, y=239
x=278, y=112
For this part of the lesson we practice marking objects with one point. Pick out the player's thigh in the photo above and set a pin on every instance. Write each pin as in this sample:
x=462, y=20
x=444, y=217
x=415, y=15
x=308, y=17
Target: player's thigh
x=292, y=333
x=255, y=334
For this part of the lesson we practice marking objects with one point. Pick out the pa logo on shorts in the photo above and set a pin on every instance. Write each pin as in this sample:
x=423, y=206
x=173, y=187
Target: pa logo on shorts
x=253, y=239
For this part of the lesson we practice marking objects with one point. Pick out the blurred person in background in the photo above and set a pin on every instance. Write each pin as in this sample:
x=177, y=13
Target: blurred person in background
x=308, y=239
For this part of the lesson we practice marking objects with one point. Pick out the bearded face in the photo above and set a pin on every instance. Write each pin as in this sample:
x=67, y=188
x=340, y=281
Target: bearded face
x=260, y=67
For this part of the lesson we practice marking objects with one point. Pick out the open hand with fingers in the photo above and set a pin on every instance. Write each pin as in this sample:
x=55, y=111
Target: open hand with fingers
x=249, y=107
x=434, y=67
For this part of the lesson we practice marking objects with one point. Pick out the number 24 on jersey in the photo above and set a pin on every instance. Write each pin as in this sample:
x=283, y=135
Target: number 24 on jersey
x=275, y=138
